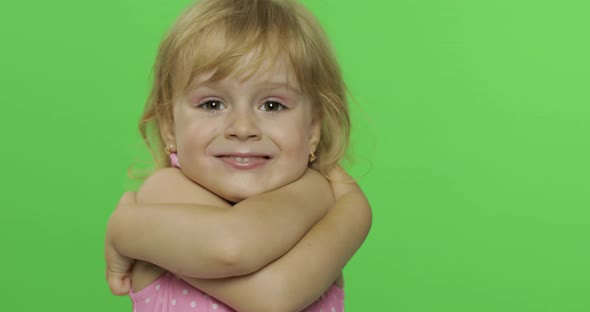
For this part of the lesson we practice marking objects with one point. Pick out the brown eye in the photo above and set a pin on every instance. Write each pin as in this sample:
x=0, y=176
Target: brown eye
x=272, y=106
x=212, y=105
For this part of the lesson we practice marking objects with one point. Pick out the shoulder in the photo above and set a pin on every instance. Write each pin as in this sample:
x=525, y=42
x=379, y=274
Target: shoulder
x=170, y=185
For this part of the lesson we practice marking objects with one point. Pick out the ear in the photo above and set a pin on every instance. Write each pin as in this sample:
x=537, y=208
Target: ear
x=315, y=134
x=167, y=133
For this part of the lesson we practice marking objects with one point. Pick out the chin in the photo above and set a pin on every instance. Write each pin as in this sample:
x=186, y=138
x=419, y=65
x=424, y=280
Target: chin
x=240, y=193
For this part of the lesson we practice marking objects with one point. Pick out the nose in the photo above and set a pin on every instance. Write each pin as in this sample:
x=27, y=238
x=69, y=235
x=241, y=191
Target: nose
x=242, y=126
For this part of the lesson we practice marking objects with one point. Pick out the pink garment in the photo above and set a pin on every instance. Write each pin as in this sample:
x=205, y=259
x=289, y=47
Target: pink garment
x=169, y=293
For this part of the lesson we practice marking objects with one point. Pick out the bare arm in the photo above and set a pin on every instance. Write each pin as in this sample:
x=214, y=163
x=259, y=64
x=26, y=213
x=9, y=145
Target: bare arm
x=212, y=240
x=306, y=271
x=299, y=277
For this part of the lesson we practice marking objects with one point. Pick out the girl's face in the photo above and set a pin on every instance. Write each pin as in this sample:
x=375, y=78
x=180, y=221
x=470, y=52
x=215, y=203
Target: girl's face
x=239, y=138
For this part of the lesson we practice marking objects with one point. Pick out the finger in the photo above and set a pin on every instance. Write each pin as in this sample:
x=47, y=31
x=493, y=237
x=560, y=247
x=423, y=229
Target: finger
x=339, y=174
x=120, y=284
x=342, y=183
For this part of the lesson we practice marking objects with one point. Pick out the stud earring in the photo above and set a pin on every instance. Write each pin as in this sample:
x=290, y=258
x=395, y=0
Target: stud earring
x=169, y=149
x=312, y=157
x=171, y=152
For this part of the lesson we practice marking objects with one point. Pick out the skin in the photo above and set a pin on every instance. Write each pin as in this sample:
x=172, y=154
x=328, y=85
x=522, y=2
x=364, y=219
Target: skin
x=244, y=141
x=265, y=116
x=290, y=283
x=236, y=240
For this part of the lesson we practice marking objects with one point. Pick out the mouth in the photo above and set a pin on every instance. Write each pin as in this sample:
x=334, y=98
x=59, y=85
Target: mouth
x=244, y=161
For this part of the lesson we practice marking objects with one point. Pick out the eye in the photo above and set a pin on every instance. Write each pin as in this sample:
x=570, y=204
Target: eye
x=272, y=106
x=212, y=105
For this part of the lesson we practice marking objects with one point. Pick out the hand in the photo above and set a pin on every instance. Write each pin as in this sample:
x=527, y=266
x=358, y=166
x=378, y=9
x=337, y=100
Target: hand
x=118, y=271
x=342, y=183
x=321, y=189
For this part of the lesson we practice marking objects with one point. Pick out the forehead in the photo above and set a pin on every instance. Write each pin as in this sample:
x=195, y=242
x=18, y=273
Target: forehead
x=221, y=50
x=251, y=69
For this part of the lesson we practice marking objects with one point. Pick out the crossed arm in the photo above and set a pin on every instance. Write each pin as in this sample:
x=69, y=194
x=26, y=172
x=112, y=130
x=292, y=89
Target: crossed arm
x=298, y=278
x=185, y=229
x=213, y=241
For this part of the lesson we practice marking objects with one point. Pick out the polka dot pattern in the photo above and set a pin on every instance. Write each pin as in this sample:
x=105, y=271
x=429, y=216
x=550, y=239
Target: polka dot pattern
x=172, y=294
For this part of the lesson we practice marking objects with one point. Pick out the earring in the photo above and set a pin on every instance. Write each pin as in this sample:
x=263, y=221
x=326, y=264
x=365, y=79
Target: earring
x=312, y=157
x=171, y=152
x=169, y=149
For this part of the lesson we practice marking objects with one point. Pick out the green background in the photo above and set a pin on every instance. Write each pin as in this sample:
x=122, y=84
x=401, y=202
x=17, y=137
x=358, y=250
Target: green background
x=471, y=129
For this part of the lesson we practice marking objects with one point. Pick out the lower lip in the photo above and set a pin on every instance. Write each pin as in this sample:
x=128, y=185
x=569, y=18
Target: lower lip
x=253, y=163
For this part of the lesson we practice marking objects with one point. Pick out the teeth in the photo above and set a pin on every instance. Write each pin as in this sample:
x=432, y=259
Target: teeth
x=243, y=159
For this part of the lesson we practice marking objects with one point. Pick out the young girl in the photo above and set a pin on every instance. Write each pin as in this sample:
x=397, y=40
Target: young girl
x=247, y=97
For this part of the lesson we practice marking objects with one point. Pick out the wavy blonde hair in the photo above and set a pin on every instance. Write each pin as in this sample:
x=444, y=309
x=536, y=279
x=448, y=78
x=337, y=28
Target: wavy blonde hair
x=213, y=35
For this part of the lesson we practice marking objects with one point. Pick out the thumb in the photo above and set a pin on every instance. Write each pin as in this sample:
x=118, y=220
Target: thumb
x=339, y=174
x=342, y=183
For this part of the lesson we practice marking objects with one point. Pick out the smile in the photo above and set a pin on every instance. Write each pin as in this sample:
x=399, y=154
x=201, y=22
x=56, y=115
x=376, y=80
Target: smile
x=244, y=162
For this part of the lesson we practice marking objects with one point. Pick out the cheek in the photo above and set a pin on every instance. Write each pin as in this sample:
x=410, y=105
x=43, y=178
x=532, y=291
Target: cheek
x=196, y=129
x=193, y=138
x=293, y=138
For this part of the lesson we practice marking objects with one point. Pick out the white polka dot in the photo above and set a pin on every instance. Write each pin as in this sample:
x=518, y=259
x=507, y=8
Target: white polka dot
x=161, y=300
x=184, y=292
x=173, y=301
x=333, y=309
x=214, y=306
x=193, y=304
x=147, y=300
x=158, y=287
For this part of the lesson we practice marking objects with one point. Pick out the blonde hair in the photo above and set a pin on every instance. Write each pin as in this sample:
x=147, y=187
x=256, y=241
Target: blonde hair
x=213, y=35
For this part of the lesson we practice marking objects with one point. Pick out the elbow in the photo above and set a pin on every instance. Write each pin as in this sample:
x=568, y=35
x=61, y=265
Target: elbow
x=240, y=251
x=232, y=256
x=230, y=250
x=218, y=257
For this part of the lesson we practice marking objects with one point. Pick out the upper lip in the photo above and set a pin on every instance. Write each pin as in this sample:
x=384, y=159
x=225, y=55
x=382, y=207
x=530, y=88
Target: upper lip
x=243, y=155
